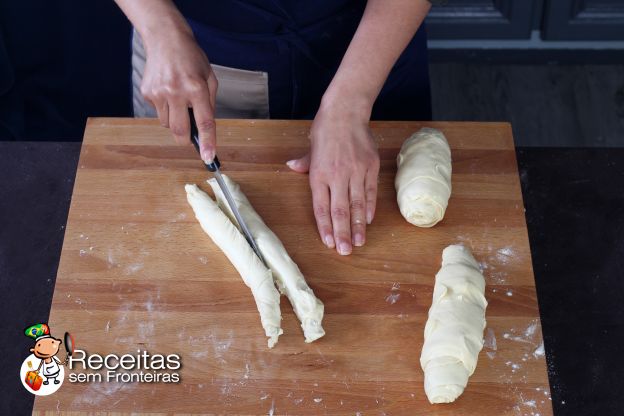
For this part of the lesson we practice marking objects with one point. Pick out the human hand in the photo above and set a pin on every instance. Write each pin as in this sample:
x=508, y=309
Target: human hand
x=344, y=164
x=177, y=76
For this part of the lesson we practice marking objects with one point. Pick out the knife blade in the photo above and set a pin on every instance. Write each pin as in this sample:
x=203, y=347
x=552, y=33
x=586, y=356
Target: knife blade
x=214, y=167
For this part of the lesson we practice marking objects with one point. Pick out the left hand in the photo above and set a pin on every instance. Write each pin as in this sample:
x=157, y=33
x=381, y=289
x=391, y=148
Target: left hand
x=344, y=164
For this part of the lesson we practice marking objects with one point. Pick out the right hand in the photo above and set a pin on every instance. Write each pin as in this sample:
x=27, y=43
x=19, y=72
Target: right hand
x=177, y=76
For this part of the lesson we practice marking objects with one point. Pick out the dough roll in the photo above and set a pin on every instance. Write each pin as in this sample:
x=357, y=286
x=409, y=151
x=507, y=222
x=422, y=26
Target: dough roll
x=288, y=277
x=233, y=244
x=423, y=179
x=454, y=330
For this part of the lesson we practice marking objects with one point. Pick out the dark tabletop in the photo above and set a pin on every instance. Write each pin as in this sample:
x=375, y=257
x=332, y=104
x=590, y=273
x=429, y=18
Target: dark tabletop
x=574, y=201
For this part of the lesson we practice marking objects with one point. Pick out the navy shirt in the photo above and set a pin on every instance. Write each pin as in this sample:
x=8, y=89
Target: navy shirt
x=300, y=45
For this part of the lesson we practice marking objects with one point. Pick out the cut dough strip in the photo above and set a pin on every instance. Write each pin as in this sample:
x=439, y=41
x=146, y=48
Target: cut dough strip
x=290, y=281
x=454, y=330
x=423, y=179
x=233, y=244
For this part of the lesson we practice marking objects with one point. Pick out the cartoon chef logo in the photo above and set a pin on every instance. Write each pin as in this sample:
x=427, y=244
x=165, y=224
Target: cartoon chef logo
x=42, y=373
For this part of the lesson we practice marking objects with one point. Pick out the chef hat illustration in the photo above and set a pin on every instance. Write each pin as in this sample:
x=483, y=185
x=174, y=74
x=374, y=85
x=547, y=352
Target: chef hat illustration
x=38, y=332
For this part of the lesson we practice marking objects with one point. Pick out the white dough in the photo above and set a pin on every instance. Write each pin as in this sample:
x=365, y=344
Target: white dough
x=233, y=244
x=454, y=330
x=423, y=179
x=287, y=275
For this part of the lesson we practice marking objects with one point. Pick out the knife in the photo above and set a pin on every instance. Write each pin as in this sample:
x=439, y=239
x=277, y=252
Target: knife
x=214, y=168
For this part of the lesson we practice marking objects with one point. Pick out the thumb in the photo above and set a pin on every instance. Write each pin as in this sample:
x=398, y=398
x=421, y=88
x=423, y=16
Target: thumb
x=301, y=165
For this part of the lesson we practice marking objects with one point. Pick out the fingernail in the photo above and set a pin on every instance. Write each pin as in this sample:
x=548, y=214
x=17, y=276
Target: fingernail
x=369, y=217
x=329, y=241
x=344, y=249
x=358, y=240
x=207, y=156
x=291, y=163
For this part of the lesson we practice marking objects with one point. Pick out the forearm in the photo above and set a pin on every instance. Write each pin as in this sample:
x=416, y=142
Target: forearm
x=154, y=18
x=383, y=33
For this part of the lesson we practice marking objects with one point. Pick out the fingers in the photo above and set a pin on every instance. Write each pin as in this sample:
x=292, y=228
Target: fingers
x=342, y=206
x=179, y=120
x=159, y=103
x=301, y=165
x=172, y=102
x=320, y=205
x=213, y=84
x=370, y=186
x=206, y=127
x=358, y=211
x=340, y=216
x=163, y=113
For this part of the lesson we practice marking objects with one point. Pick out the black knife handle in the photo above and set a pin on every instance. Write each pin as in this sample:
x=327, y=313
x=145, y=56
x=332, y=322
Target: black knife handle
x=215, y=164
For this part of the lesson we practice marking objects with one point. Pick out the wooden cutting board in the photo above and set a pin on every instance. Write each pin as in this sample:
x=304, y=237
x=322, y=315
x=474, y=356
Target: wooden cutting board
x=138, y=273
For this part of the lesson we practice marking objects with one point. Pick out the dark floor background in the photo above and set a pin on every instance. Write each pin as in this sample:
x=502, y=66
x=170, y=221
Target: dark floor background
x=547, y=105
x=35, y=192
x=574, y=200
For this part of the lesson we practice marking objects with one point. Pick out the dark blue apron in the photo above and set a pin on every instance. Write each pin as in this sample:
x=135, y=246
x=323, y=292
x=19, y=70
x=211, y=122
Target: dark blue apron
x=300, y=45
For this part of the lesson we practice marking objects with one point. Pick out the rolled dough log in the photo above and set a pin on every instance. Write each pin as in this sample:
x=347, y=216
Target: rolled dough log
x=423, y=179
x=454, y=330
x=286, y=274
x=233, y=244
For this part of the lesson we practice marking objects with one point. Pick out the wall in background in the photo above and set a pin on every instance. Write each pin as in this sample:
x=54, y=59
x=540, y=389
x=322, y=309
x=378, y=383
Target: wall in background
x=515, y=19
x=528, y=31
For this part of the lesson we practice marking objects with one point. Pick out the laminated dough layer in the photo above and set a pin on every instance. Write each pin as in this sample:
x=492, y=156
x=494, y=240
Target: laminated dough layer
x=423, y=179
x=233, y=244
x=454, y=330
x=286, y=274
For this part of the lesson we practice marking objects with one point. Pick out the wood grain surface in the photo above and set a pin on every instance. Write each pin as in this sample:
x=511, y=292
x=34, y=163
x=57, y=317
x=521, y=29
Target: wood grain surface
x=138, y=273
